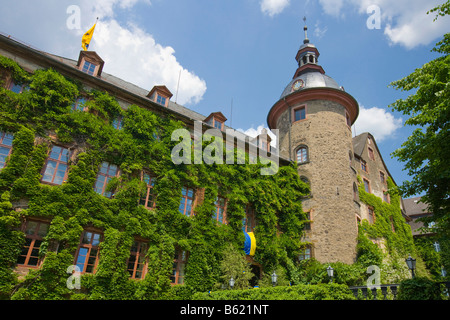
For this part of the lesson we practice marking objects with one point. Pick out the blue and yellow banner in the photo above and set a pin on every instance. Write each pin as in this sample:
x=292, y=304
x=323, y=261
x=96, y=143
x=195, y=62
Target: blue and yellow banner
x=250, y=243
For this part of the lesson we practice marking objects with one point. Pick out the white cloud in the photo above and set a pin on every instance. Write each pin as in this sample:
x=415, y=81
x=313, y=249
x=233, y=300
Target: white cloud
x=332, y=7
x=379, y=122
x=273, y=7
x=319, y=31
x=252, y=132
x=133, y=55
x=405, y=22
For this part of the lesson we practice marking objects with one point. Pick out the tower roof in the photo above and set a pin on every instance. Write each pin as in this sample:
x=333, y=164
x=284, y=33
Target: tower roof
x=309, y=73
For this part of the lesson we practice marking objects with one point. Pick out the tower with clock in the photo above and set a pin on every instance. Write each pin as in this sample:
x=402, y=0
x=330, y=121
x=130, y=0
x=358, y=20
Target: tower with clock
x=314, y=116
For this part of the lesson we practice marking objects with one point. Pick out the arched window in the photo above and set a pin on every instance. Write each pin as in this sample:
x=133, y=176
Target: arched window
x=302, y=154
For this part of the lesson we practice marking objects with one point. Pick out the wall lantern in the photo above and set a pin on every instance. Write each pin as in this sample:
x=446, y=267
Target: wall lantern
x=274, y=278
x=411, y=263
x=330, y=272
x=231, y=283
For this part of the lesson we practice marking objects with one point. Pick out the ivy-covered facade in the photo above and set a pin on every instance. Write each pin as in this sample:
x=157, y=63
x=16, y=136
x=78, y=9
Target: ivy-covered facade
x=92, y=205
x=80, y=193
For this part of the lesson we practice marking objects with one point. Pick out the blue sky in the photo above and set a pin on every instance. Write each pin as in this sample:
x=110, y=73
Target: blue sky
x=243, y=51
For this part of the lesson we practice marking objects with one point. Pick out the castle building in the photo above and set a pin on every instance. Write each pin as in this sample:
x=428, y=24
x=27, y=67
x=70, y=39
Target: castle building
x=314, y=116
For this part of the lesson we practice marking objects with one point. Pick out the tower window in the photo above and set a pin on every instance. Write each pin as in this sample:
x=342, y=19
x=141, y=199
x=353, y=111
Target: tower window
x=300, y=114
x=302, y=154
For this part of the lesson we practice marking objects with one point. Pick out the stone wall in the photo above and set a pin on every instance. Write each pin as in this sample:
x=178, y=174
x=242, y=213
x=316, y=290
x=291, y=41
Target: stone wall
x=329, y=140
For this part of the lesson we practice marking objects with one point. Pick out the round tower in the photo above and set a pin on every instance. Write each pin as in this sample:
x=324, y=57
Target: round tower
x=314, y=116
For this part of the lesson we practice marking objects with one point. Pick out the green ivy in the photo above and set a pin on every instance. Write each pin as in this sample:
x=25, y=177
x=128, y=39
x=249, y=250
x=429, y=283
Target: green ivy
x=43, y=112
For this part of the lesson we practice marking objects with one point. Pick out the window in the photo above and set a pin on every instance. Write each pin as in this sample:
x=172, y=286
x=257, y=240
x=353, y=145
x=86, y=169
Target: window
x=187, y=201
x=218, y=124
x=382, y=177
x=117, y=123
x=371, y=154
x=306, y=254
x=386, y=197
x=149, y=199
x=17, y=88
x=56, y=167
x=106, y=173
x=89, y=68
x=302, y=154
x=136, y=261
x=371, y=215
x=366, y=185
x=219, y=211
x=364, y=166
x=249, y=222
x=355, y=192
x=6, y=140
x=307, y=225
x=87, y=255
x=161, y=100
x=300, y=114
x=79, y=104
x=34, y=235
x=179, y=264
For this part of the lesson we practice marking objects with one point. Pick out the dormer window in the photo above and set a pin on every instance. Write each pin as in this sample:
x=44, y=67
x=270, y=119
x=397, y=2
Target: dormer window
x=89, y=68
x=161, y=95
x=90, y=62
x=216, y=120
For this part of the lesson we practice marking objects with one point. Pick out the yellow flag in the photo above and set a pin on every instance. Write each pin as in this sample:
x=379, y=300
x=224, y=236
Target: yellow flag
x=87, y=38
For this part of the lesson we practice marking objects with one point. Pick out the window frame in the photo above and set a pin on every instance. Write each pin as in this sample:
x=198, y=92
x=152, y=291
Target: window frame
x=371, y=215
x=364, y=166
x=371, y=153
x=87, y=70
x=5, y=135
x=89, y=246
x=144, y=201
x=185, y=200
x=217, y=208
x=250, y=215
x=383, y=179
x=79, y=101
x=58, y=162
x=368, y=185
x=137, y=262
x=298, y=108
x=179, y=266
x=32, y=246
x=299, y=148
x=107, y=194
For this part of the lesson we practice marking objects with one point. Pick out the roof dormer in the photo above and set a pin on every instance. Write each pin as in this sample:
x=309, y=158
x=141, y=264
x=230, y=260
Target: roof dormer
x=160, y=95
x=90, y=62
x=216, y=120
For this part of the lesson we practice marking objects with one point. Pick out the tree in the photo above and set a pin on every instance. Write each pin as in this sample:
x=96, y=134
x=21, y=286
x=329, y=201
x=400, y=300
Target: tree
x=427, y=150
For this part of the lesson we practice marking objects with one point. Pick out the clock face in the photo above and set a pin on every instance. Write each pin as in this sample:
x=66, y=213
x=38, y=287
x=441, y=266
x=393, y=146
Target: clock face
x=297, y=85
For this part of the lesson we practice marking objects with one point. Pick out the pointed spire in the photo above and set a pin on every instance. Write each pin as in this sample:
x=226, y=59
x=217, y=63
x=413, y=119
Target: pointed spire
x=306, y=32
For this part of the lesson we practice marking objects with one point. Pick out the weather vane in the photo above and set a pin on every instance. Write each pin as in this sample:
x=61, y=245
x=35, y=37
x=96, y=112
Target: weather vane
x=306, y=31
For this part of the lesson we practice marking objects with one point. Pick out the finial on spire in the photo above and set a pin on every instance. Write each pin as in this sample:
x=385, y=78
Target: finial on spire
x=306, y=32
